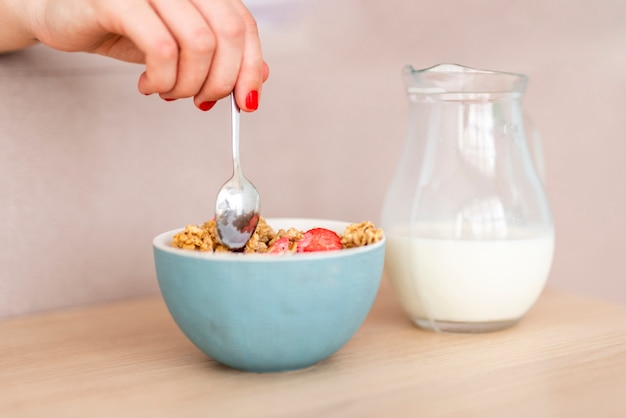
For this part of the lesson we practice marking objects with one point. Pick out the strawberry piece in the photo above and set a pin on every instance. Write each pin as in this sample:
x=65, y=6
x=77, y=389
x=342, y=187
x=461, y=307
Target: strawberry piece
x=280, y=246
x=319, y=239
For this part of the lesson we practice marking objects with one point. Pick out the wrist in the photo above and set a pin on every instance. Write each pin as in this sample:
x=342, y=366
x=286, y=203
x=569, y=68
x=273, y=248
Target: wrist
x=16, y=21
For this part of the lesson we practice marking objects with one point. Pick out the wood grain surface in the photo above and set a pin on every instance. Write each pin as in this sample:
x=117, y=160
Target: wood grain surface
x=566, y=358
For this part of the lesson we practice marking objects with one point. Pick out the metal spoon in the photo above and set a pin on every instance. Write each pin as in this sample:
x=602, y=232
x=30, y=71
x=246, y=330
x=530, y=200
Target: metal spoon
x=237, y=206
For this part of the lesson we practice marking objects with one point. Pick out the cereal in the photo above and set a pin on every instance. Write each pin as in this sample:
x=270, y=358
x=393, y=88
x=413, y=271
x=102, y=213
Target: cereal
x=264, y=239
x=357, y=235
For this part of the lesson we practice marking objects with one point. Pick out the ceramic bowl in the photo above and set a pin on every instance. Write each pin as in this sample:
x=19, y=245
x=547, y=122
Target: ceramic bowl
x=265, y=312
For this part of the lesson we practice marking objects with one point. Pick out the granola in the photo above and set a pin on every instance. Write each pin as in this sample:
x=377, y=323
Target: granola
x=266, y=240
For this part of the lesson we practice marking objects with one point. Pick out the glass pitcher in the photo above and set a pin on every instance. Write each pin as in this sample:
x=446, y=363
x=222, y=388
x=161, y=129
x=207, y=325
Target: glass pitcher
x=470, y=237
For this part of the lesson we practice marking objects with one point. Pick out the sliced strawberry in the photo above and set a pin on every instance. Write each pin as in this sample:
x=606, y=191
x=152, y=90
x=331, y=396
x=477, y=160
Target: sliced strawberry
x=319, y=239
x=280, y=246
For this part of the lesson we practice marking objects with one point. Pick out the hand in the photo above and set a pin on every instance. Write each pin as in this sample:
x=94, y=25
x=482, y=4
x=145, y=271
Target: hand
x=191, y=48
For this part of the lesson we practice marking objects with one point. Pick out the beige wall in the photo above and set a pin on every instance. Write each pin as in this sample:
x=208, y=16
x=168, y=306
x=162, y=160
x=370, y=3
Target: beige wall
x=90, y=170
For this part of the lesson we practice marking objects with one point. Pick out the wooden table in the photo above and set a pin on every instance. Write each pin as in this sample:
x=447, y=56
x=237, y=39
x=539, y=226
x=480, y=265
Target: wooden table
x=567, y=358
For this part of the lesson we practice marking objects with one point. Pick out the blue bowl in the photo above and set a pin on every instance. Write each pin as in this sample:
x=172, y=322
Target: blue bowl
x=269, y=313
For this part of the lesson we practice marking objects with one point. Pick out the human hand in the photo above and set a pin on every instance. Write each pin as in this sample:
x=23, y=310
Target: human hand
x=191, y=48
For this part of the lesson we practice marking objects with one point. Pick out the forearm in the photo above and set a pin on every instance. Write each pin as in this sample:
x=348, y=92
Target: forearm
x=15, y=24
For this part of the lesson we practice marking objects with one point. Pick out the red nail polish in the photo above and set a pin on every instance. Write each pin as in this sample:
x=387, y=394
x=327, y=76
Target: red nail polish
x=206, y=106
x=169, y=99
x=252, y=100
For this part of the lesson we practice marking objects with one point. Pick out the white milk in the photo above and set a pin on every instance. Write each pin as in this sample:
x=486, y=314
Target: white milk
x=469, y=281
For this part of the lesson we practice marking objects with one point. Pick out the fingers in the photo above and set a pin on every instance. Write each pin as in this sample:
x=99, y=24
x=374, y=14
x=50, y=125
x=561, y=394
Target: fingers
x=266, y=71
x=253, y=69
x=153, y=38
x=196, y=45
x=229, y=29
x=203, y=49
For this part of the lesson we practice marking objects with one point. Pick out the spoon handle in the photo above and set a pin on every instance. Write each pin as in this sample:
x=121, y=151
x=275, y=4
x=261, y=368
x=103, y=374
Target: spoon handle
x=235, y=132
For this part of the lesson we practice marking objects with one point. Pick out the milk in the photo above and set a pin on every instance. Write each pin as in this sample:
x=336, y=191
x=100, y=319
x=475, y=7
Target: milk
x=468, y=281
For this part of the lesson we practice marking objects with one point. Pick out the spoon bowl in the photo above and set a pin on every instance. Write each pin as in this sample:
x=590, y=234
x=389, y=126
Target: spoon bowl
x=237, y=206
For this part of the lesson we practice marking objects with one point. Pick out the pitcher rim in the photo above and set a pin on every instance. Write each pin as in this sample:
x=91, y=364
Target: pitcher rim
x=437, y=79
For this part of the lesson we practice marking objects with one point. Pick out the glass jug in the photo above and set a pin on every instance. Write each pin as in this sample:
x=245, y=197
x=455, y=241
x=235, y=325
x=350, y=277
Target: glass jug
x=470, y=237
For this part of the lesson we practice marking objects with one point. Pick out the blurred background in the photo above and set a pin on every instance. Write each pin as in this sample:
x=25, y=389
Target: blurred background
x=91, y=171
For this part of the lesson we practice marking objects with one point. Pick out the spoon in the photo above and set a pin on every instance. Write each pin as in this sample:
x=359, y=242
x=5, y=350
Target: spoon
x=237, y=205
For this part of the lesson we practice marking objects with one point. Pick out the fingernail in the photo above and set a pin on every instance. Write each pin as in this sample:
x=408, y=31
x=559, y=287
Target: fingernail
x=206, y=106
x=168, y=99
x=252, y=100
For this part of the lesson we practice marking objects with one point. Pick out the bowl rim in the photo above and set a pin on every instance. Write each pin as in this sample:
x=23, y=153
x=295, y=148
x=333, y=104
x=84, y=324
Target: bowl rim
x=163, y=241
